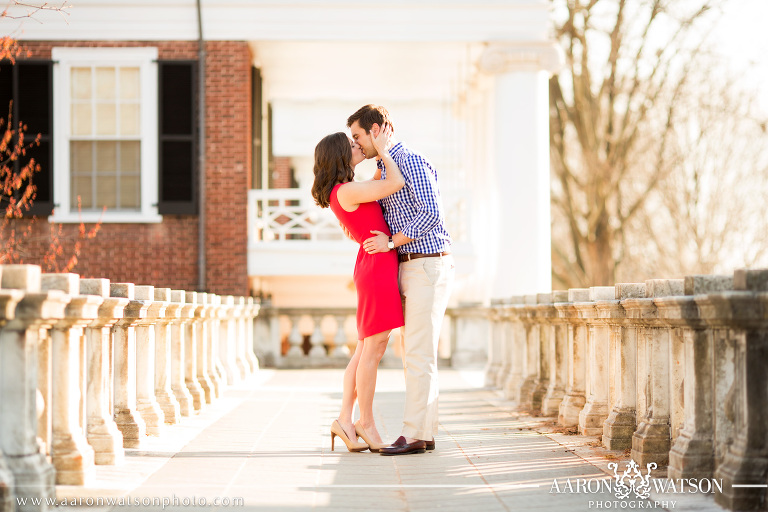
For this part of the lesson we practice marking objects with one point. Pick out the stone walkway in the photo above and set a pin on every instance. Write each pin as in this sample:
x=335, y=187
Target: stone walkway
x=265, y=446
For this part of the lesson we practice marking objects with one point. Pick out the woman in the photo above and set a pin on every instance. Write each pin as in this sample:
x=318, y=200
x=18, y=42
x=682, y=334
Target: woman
x=379, y=309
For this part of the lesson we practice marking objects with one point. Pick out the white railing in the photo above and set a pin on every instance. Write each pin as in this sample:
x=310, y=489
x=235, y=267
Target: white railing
x=289, y=214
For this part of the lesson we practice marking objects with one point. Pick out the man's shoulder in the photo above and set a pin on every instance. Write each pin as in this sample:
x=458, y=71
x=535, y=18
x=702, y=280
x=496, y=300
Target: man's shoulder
x=403, y=154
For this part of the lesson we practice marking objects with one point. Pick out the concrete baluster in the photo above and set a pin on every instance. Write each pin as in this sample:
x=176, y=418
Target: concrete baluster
x=745, y=462
x=127, y=416
x=146, y=402
x=236, y=331
x=251, y=312
x=600, y=307
x=179, y=355
x=495, y=342
x=692, y=453
x=215, y=368
x=203, y=339
x=651, y=441
x=515, y=343
x=163, y=356
x=557, y=351
x=295, y=339
x=8, y=301
x=622, y=420
x=339, y=350
x=228, y=340
x=102, y=432
x=7, y=496
x=529, y=353
x=188, y=313
x=541, y=314
x=575, y=397
x=73, y=457
x=33, y=476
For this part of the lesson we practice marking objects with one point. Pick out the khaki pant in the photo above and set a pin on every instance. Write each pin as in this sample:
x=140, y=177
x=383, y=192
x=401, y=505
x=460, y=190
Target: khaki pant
x=425, y=284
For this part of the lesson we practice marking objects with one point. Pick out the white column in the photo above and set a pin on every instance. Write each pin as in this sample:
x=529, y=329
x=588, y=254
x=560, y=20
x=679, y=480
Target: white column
x=72, y=456
x=520, y=260
x=102, y=432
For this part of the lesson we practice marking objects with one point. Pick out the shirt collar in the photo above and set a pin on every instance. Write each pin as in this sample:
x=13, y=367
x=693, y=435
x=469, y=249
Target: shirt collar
x=394, y=150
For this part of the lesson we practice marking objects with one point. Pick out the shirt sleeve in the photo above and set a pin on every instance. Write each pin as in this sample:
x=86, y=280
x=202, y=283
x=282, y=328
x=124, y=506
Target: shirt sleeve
x=421, y=180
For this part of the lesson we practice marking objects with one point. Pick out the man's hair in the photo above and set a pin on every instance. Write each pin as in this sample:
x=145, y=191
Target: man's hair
x=333, y=158
x=369, y=115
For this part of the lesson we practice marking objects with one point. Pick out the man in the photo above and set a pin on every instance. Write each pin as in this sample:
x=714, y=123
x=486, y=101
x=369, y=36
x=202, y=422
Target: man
x=415, y=217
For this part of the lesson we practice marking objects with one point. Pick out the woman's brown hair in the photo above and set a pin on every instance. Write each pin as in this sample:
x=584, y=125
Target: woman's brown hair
x=333, y=155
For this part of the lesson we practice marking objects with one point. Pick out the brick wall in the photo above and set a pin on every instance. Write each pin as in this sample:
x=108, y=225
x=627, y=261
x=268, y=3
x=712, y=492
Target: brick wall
x=166, y=254
x=281, y=172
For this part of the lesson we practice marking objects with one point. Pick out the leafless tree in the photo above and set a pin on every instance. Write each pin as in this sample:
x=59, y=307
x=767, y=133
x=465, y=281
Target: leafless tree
x=709, y=214
x=613, y=113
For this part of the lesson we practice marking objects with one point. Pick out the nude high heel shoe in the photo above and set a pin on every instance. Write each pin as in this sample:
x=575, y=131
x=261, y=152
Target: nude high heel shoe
x=353, y=446
x=360, y=431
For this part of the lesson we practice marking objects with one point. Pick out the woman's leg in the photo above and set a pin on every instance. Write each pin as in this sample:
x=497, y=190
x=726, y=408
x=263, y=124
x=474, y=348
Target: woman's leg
x=373, y=350
x=350, y=393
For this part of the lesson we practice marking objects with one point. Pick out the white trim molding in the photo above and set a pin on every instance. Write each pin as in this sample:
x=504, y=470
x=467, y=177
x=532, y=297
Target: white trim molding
x=146, y=60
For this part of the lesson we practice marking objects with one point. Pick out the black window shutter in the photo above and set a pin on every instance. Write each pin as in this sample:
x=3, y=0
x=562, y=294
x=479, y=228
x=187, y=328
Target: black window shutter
x=30, y=85
x=178, y=160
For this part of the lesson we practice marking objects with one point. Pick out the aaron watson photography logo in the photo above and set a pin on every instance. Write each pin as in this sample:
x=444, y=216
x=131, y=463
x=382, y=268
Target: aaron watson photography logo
x=631, y=489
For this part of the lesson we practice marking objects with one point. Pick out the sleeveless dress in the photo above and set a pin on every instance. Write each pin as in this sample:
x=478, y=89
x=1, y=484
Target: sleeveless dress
x=379, y=307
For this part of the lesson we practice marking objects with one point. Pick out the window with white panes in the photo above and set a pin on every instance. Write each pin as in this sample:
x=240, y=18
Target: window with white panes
x=106, y=141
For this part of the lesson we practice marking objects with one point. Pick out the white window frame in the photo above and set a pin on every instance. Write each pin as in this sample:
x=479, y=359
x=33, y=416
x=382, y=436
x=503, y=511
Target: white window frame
x=146, y=60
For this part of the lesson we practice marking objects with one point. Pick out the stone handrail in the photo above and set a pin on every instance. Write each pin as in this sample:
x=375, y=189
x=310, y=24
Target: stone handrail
x=674, y=370
x=89, y=368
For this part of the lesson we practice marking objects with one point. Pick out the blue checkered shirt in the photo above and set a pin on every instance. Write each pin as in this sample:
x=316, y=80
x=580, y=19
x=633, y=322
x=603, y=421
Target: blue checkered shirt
x=416, y=209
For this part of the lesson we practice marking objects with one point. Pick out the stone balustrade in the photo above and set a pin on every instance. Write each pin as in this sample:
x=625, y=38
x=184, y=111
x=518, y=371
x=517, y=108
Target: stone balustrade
x=674, y=370
x=89, y=368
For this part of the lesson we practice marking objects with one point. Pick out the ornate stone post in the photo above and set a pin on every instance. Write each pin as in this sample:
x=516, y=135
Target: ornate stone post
x=33, y=476
x=251, y=312
x=178, y=354
x=102, y=432
x=600, y=307
x=146, y=403
x=162, y=374
x=693, y=454
x=215, y=368
x=188, y=313
x=8, y=301
x=228, y=341
x=127, y=417
x=202, y=335
x=529, y=354
x=575, y=397
x=72, y=456
x=541, y=315
x=620, y=425
x=745, y=463
x=558, y=356
x=651, y=441
x=494, y=343
x=515, y=343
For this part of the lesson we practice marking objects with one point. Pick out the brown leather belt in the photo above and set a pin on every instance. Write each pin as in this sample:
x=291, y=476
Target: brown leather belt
x=414, y=255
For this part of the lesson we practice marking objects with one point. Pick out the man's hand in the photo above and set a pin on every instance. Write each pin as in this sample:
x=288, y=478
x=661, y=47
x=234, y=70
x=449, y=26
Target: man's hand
x=346, y=232
x=377, y=243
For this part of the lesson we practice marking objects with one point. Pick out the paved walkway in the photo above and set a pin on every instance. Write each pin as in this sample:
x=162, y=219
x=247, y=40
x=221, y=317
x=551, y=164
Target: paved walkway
x=265, y=446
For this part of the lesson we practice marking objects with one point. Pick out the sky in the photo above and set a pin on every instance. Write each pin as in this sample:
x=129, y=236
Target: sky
x=742, y=37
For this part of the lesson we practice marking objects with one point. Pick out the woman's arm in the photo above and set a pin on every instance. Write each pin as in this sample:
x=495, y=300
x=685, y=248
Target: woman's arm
x=351, y=194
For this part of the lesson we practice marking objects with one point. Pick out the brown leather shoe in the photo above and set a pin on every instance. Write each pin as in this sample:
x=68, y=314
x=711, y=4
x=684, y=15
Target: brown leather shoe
x=400, y=447
x=430, y=444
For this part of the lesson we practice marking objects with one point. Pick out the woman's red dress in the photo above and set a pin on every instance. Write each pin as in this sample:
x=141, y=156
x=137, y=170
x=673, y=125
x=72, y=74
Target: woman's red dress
x=379, y=307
